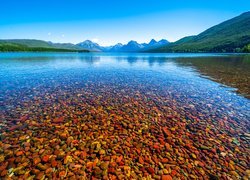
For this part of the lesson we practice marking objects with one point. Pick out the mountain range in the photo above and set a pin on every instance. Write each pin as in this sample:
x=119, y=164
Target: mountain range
x=88, y=45
x=131, y=46
x=230, y=36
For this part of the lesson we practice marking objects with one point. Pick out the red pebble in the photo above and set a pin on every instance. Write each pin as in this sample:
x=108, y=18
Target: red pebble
x=166, y=177
x=54, y=163
x=141, y=160
x=173, y=173
x=45, y=158
x=150, y=170
x=58, y=120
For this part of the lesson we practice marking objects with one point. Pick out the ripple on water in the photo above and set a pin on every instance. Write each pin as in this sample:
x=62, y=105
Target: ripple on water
x=125, y=116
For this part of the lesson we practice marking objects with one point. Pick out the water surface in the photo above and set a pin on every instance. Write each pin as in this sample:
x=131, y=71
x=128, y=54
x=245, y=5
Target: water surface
x=173, y=108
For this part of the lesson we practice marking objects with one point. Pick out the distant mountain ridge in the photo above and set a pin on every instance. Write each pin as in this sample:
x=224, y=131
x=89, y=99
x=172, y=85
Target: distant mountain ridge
x=131, y=46
x=88, y=45
x=232, y=35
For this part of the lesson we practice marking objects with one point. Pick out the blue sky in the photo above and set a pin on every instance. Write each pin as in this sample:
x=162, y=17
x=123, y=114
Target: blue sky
x=111, y=21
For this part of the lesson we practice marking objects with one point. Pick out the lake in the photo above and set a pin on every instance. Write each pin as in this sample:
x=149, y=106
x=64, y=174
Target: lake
x=124, y=115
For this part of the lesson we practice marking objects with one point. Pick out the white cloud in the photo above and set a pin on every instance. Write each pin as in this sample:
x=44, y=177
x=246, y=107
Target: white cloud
x=49, y=33
x=63, y=35
x=96, y=40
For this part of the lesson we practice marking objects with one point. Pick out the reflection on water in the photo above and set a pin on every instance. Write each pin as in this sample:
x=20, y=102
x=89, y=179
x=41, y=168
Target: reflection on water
x=230, y=70
x=106, y=115
x=44, y=69
x=40, y=69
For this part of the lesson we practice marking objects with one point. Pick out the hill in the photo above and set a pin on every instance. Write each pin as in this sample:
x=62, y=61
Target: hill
x=37, y=45
x=230, y=36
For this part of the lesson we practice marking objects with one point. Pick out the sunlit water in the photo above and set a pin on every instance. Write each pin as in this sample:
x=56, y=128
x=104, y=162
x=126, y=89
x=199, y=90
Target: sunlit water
x=120, y=115
x=23, y=76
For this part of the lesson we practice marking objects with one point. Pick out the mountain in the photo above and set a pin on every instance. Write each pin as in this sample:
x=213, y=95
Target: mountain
x=114, y=48
x=64, y=45
x=132, y=46
x=154, y=44
x=13, y=47
x=162, y=42
x=230, y=36
x=37, y=45
x=89, y=45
